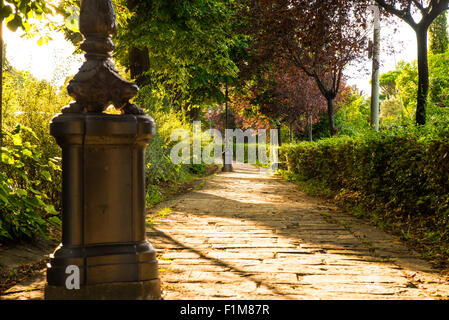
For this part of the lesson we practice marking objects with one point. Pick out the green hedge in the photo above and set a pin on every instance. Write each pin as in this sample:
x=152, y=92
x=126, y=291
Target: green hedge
x=403, y=172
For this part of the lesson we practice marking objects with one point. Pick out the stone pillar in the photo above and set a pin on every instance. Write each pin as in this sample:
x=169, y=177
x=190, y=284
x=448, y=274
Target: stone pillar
x=103, y=192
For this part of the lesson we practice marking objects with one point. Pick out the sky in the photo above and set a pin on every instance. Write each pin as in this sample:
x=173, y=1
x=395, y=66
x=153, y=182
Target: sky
x=56, y=60
x=405, y=49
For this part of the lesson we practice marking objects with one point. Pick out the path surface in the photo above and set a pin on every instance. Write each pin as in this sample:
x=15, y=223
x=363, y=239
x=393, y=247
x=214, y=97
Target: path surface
x=248, y=236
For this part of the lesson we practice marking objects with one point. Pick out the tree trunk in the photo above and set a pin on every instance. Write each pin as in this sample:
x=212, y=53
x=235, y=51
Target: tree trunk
x=139, y=64
x=423, y=75
x=1, y=85
x=194, y=114
x=330, y=113
x=291, y=132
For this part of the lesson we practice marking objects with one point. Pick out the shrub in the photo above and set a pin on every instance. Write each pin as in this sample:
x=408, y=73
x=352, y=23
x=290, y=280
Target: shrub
x=402, y=172
x=160, y=170
x=33, y=103
x=28, y=187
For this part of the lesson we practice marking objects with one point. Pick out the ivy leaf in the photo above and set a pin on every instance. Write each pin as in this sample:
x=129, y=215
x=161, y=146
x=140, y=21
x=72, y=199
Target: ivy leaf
x=46, y=175
x=50, y=209
x=3, y=195
x=7, y=159
x=55, y=221
x=72, y=21
x=17, y=140
x=21, y=192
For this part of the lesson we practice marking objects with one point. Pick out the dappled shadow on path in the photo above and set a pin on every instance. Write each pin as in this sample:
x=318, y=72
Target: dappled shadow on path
x=265, y=229
x=240, y=272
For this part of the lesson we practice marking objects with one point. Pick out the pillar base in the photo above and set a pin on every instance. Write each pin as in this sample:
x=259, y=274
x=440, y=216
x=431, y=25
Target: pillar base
x=142, y=290
x=103, y=212
x=227, y=168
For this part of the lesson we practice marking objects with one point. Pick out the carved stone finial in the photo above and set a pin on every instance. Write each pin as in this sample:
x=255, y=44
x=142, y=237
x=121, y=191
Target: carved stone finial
x=98, y=84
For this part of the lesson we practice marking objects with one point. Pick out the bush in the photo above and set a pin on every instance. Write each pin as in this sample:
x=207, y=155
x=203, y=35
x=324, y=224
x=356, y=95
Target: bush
x=403, y=173
x=353, y=113
x=28, y=187
x=160, y=170
x=33, y=103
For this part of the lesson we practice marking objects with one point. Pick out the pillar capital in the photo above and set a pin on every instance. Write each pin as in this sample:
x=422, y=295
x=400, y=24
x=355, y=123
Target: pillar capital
x=98, y=84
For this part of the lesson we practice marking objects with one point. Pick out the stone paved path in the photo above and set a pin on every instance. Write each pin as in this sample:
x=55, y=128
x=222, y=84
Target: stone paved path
x=248, y=236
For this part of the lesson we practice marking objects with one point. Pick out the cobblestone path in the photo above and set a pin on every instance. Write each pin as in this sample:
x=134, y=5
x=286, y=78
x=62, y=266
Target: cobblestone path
x=248, y=236
x=252, y=236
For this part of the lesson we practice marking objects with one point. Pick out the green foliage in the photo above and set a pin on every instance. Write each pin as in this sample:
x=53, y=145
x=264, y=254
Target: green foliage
x=353, y=114
x=31, y=174
x=439, y=79
x=387, y=82
x=351, y=117
x=320, y=129
x=200, y=28
x=438, y=36
x=160, y=170
x=399, y=89
x=27, y=183
x=23, y=14
x=400, y=173
x=392, y=112
x=190, y=47
x=32, y=103
x=407, y=84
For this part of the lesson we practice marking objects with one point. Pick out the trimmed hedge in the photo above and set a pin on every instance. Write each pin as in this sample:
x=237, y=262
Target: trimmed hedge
x=403, y=172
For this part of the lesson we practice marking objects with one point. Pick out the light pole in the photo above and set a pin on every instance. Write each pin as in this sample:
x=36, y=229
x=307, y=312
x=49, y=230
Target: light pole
x=376, y=70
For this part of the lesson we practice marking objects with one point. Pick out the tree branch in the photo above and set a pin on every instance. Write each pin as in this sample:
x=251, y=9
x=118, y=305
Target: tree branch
x=404, y=14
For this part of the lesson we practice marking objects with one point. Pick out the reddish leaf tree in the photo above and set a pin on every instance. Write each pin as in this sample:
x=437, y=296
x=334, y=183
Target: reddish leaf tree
x=295, y=98
x=282, y=93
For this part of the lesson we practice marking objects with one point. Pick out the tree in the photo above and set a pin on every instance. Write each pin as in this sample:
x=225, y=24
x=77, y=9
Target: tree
x=428, y=11
x=178, y=52
x=297, y=100
x=387, y=84
x=439, y=39
x=282, y=93
x=182, y=48
x=352, y=116
x=319, y=37
x=17, y=14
